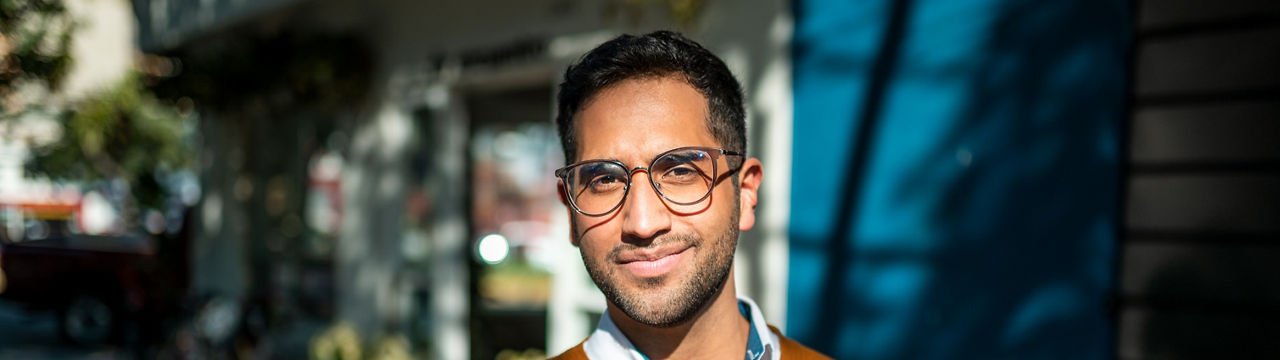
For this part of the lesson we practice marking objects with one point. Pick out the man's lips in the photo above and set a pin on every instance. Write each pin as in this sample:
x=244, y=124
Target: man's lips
x=655, y=263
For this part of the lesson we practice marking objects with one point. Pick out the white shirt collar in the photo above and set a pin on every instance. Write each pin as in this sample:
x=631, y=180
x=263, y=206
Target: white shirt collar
x=608, y=342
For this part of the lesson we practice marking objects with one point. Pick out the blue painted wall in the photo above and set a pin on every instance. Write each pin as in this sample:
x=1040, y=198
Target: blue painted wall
x=956, y=177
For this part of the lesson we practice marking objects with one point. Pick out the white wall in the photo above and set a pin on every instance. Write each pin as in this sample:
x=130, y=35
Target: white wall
x=102, y=48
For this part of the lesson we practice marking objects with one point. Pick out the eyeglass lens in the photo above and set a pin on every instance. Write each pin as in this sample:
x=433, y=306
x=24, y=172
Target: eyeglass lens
x=683, y=177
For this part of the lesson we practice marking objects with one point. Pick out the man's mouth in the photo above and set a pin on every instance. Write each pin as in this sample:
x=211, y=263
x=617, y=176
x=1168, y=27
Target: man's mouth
x=653, y=263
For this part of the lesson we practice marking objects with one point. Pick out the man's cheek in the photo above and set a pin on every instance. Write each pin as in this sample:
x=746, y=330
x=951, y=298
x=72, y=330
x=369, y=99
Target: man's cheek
x=581, y=230
x=594, y=251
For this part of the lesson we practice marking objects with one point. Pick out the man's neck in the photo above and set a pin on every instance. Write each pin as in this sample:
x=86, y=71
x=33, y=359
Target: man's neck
x=718, y=331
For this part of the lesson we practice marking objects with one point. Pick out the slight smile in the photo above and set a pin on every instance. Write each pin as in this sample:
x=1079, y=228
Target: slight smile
x=652, y=264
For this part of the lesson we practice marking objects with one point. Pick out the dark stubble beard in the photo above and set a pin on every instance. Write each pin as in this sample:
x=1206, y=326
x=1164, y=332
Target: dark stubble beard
x=648, y=302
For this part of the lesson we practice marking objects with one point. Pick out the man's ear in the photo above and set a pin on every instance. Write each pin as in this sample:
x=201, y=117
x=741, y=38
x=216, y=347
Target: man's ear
x=749, y=178
x=573, y=225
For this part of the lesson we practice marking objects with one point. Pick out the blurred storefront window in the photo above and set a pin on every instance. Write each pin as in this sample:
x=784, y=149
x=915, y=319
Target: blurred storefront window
x=513, y=151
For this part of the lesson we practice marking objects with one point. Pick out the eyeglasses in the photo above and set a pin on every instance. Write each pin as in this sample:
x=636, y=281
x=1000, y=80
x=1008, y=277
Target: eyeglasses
x=683, y=176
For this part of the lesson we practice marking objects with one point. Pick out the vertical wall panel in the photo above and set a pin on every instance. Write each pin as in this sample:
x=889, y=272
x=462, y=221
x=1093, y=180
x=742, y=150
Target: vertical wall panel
x=1203, y=202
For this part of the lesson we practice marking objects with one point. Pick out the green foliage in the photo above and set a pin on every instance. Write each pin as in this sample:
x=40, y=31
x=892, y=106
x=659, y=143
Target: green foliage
x=35, y=42
x=121, y=133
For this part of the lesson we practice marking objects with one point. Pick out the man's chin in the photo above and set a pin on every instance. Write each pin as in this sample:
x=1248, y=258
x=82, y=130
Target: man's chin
x=661, y=302
x=656, y=289
x=656, y=313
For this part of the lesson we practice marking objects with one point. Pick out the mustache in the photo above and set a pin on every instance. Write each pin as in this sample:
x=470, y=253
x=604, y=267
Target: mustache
x=665, y=240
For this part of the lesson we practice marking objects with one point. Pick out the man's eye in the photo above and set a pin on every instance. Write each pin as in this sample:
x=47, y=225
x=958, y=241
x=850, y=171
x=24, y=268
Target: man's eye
x=605, y=183
x=680, y=174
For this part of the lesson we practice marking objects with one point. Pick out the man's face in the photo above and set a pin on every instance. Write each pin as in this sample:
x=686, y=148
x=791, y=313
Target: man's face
x=657, y=261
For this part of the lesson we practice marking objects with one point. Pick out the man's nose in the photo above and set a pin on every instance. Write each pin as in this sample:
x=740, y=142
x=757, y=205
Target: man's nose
x=644, y=215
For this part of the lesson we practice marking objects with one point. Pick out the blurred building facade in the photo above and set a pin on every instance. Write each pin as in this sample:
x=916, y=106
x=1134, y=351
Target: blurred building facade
x=355, y=153
x=974, y=179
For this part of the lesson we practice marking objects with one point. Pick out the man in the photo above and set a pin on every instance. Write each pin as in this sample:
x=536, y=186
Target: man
x=658, y=186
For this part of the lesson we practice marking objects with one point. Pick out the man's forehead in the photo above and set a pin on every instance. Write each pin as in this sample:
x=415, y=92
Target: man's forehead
x=642, y=115
x=647, y=81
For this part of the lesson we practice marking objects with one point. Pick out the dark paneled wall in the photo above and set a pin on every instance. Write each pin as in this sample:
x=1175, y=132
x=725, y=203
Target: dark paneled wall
x=1200, y=274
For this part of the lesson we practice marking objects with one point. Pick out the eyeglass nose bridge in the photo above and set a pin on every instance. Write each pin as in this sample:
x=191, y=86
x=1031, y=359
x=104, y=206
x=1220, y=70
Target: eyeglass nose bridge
x=653, y=184
x=631, y=176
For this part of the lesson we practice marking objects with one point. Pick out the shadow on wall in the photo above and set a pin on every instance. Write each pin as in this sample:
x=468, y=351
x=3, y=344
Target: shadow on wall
x=1206, y=303
x=978, y=206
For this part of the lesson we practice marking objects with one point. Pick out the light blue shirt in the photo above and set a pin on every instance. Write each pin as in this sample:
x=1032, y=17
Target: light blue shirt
x=608, y=342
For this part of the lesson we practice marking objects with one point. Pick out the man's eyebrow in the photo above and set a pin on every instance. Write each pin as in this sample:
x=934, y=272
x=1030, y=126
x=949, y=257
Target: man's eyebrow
x=679, y=156
x=602, y=159
x=593, y=165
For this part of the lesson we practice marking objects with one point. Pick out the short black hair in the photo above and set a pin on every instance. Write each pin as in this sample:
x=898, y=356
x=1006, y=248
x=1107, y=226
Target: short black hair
x=654, y=55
